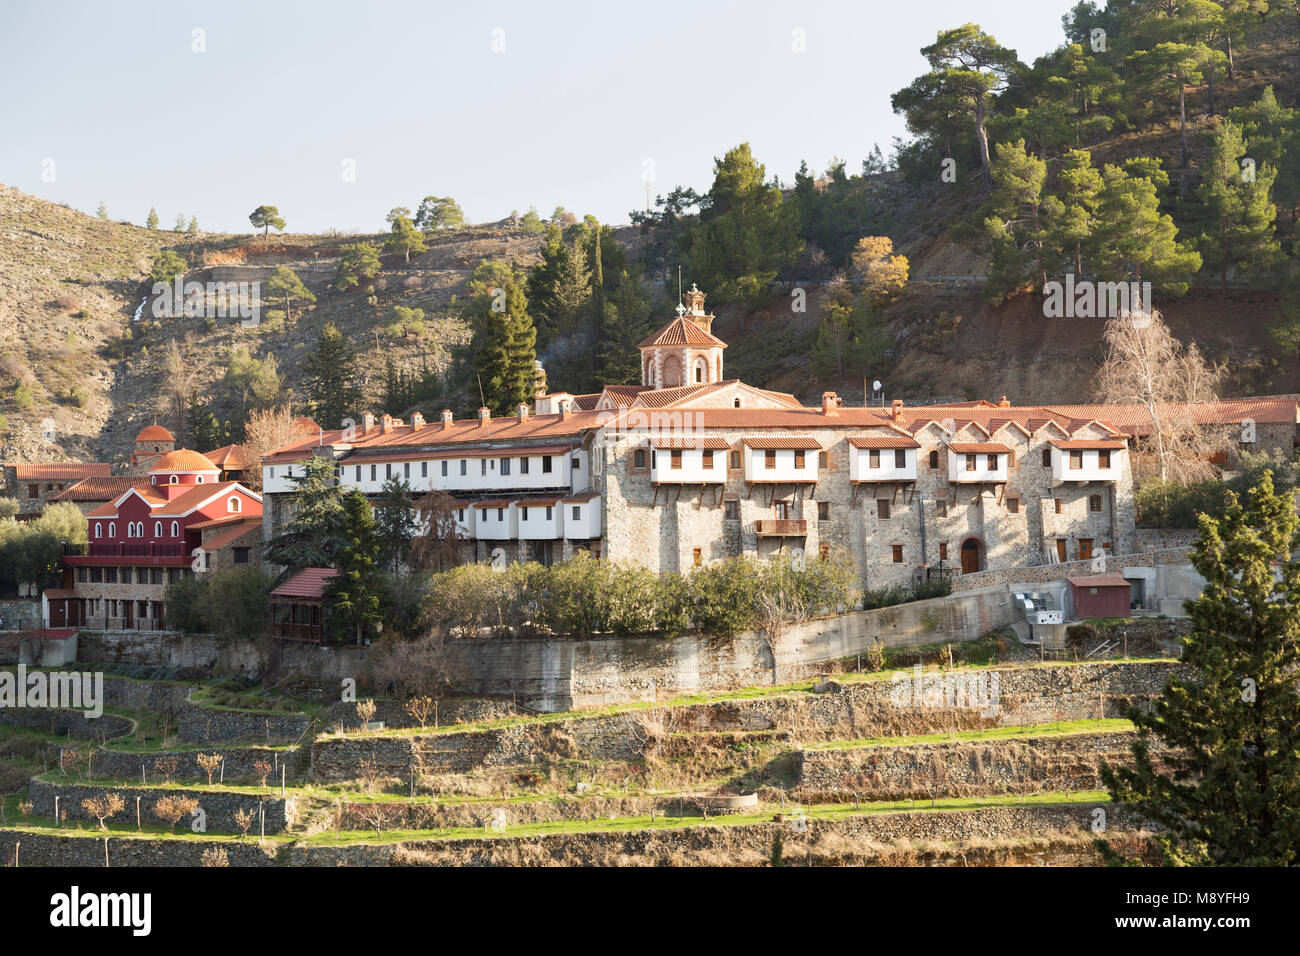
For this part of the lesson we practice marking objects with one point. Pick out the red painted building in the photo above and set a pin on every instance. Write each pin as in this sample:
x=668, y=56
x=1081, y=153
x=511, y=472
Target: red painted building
x=1100, y=595
x=145, y=539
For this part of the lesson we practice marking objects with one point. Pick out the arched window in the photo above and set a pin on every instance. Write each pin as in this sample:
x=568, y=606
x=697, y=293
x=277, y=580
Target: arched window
x=157, y=529
x=176, y=529
x=233, y=504
x=737, y=403
x=99, y=529
x=112, y=529
x=173, y=480
x=934, y=459
x=199, y=480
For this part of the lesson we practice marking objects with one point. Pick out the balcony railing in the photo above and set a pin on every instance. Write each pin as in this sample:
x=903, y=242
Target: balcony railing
x=291, y=631
x=130, y=552
x=781, y=528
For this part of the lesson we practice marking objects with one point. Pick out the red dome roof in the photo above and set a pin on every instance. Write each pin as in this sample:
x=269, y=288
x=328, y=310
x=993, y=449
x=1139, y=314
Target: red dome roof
x=183, y=459
x=155, y=433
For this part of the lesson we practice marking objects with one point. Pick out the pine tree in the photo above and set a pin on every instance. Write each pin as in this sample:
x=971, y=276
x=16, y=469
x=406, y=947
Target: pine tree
x=1071, y=209
x=395, y=524
x=1134, y=239
x=352, y=597
x=194, y=225
x=102, y=211
x=1015, y=223
x=405, y=238
x=1229, y=790
x=359, y=263
x=330, y=379
x=506, y=354
x=313, y=537
x=152, y=220
x=285, y=284
x=1239, y=209
x=266, y=217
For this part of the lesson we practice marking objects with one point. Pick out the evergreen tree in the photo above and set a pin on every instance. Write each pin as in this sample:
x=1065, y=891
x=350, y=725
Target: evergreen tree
x=438, y=212
x=626, y=323
x=967, y=67
x=405, y=238
x=193, y=227
x=359, y=263
x=1169, y=68
x=266, y=217
x=395, y=523
x=1229, y=790
x=352, y=597
x=1239, y=210
x=206, y=433
x=330, y=379
x=152, y=220
x=1134, y=240
x=313, y=536
x=102, y=211
x=1015, y=223
x=285, y=284
x=745, y=235
x=1273, y=136
x=1071, y=209
x=506, y=353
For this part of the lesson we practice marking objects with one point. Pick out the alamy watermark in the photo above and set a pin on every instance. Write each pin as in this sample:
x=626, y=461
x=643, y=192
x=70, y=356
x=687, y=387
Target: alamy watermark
x=69, y=690
x=947, y=689
x=1086, y=299
x=208, y=300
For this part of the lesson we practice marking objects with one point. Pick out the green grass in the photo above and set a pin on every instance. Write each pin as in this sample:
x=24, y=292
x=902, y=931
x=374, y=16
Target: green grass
x=1063, y=728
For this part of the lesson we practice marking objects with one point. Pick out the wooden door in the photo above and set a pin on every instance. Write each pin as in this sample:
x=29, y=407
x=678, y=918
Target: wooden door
x=1085, y=549
x=1060, y=550
x=970, y=556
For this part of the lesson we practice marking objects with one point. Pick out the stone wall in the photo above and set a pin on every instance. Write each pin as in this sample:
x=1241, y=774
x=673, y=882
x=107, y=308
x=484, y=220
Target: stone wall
x=127, y=765
x=1059, y=572
x=731, y=844
x=1021, y=765
x=53, y=720
x=87, y=850
x=1159, y=539
x=450, y=710
x=1026, y=694
x=219, y=805
x=209, y=725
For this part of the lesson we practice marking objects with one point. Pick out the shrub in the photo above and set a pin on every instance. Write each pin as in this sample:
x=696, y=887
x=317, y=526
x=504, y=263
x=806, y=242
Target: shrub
x=67, y=302
x=4, y=426
x=23, y=398
x=78, y=396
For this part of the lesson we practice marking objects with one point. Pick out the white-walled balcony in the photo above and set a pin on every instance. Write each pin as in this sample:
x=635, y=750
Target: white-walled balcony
x=882, y=459
x=1086, y=461
x=781, y=460
x=978, y=462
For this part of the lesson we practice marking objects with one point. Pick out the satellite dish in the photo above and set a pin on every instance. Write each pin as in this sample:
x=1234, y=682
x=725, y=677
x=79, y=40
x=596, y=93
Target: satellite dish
x=875, y=386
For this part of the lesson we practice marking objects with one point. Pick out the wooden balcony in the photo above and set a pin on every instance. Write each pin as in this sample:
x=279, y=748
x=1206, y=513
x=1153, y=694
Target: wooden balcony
x=781, y=528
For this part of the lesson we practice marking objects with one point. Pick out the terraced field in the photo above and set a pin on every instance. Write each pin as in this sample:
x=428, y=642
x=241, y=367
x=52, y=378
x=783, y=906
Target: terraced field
x=807, y=773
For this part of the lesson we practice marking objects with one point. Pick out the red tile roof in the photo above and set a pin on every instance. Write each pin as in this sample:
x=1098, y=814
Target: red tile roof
x=183, y=459
x=307, y=583
x=232, y=535
x=230, y=458
x=1104, y=444
x=1099, y=581
x=797, y=442
x=63, y=471
x=882, y=441
x=682, y=331
x=154, y=433
x=978, y=448
x=714, y=444
x=101, y=488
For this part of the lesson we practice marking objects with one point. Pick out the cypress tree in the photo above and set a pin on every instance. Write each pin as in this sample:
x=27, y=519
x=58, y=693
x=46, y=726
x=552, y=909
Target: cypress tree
x=330, y=379
x=1228, y=793
x=352, y=598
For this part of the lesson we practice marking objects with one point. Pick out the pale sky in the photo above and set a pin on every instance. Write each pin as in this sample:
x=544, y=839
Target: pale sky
x=501, y=105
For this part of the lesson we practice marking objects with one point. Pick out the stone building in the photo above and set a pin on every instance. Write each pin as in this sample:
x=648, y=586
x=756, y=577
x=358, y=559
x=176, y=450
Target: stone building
x=690, y=467
x=183, y=521
x=33, y=484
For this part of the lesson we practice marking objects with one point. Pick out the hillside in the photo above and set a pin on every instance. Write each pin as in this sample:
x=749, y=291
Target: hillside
x=70, y=285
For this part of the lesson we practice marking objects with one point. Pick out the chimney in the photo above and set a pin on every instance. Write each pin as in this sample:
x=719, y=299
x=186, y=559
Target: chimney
x=386, y=423
x=446, y=419
x=896, y=409
x=484, y=417
x=566, y=409
x=830, y=403
x=367, y=422
x=1004, y=403
x=417, y=420
x=521, y=411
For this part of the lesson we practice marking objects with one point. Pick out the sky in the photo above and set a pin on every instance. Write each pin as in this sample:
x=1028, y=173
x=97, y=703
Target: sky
x=336, y=111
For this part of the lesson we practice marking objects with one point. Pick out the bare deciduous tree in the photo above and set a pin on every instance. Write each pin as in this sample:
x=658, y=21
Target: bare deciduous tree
x=171, y=808
x=210, y=764
x=1145, y=365
x=426, y=667
x=267, y=430
x=436, y=546
x=103, y=806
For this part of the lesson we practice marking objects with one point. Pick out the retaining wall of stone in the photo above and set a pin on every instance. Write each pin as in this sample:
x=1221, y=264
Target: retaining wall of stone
x=42, y=849
x=218, y=805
